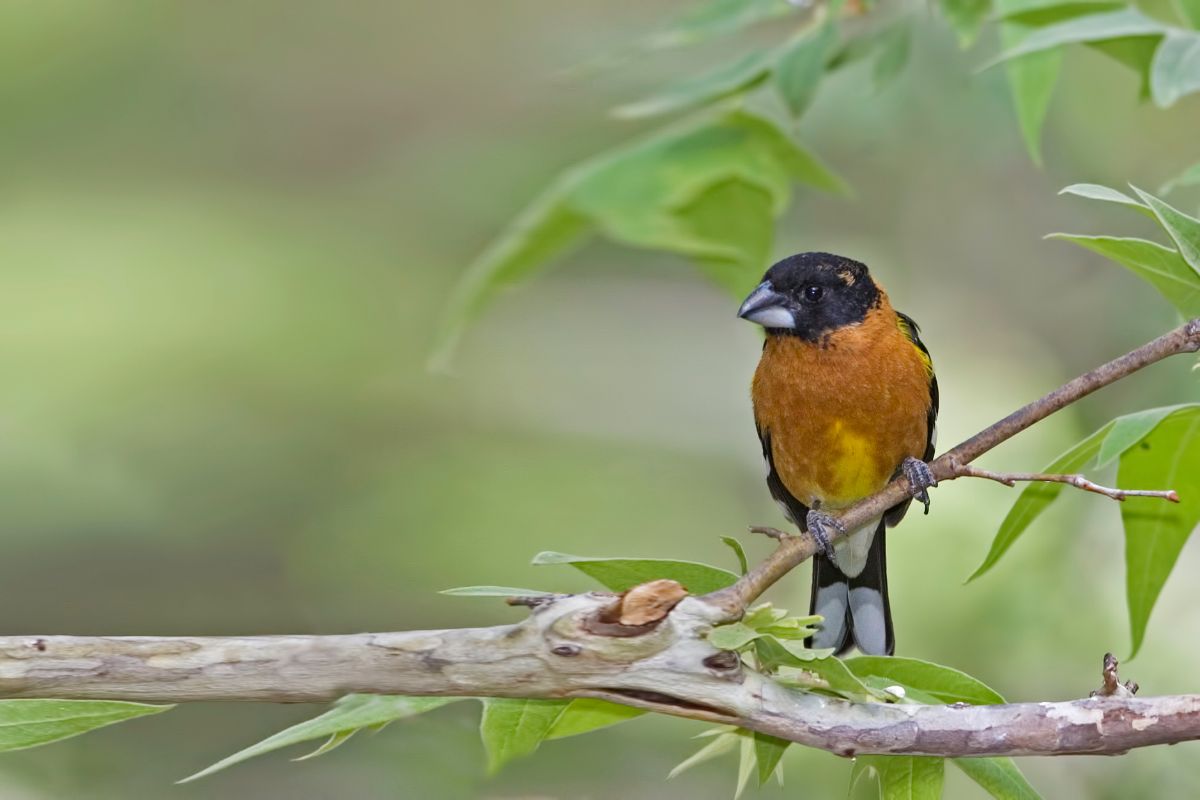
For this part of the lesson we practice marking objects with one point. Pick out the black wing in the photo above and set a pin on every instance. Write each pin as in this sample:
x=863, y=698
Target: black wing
x=913, y=332
x=795, y=511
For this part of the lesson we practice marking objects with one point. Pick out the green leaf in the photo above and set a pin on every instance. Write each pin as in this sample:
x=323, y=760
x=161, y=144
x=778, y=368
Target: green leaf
x=799, y=69
x=1155, y=530
x=585, y=714
x=1190, y=11
x=768, y=750
x=895, y=44
x=1183, y=230
x=946, y=684
x=707, y=188
x=494, y=591
x=1043, y=12
x=1035, y=497
x=717, y=18
x=1161, y=267
x=902, y=777
x=745, y=764
x=1031, y=81
x=734, y=636
x=1128, y=430
x=620, y=574
x=738, y=551
x=334, y=741
x=30, y=723
x=512, y=727
x=966, y=17
x=999, y=777
x=828, y=674
x=1175, y=71
x=545, y=230
x=1093, y=191
x=704, y=89
x=721, y=744
x=352, y=712
x=1189, y=177
x=1088, y=28
x=1135, y=52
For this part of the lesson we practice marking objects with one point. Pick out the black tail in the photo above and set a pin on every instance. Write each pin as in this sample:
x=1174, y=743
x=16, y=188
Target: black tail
x=856, y=610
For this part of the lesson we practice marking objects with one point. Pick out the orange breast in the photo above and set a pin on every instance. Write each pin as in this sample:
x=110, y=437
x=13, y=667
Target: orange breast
x=843, y=413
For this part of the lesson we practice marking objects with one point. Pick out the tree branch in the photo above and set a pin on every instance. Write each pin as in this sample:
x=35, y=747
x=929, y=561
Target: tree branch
x=796, y=549
x=1078, y=481
x=667, y=667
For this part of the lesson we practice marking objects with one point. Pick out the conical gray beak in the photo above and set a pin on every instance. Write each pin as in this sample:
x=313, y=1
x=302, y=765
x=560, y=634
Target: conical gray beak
x=768, y=308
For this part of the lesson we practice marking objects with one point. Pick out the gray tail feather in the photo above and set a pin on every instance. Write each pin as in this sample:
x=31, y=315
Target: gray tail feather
x=856, y=610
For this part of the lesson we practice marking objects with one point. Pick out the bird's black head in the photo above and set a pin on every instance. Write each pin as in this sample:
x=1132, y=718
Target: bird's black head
x=811, y=294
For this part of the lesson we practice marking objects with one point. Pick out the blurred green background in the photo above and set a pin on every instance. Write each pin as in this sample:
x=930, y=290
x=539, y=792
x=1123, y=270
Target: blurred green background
x=227, y=231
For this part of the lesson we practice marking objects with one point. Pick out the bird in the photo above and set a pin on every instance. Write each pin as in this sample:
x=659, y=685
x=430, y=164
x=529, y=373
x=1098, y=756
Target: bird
x=845, y=399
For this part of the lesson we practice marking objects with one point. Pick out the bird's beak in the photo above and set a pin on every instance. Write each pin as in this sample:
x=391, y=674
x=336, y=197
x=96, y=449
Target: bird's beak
x=768, y=308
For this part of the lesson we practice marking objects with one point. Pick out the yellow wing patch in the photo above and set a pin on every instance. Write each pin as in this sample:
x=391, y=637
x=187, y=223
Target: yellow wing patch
x=911, y=335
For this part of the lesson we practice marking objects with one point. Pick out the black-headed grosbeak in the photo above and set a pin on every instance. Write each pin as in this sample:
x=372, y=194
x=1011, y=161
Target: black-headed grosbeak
x=845, y=399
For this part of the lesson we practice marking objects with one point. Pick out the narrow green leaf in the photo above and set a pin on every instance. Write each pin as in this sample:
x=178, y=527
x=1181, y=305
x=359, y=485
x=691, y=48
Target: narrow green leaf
x=30, y=723
x=1130, y=429
x=1031, y=81
x=545, y=230
x=966, y=17
x=768, y=750
x=720, y=745
x=717, y=18
x=895, y=45
x=1035, y=497
x=334, y=741
x=1183, y=230
x=620, y=574
x=738, y=551
x=999, y=777
x=494, y=591
x=350, y=713
x=799, y=69
x=902, y=777
x=1094, y=191
x=1175, y=71
x=947, y=684
x=745, y=764
x=585, y=714
x=1155, y=531
x=1089, y=28
x=709, y=87
x=512, y=728
x=1189, y=177
x=1161, y=267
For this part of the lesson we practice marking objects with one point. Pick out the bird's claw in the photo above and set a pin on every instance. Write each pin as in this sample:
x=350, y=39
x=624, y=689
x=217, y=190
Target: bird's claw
x=920, y=477
x=819, y=525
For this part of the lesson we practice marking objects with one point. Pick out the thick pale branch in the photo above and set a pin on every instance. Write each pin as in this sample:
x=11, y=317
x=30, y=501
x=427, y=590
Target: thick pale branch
x=797, y=549
x=667, y=667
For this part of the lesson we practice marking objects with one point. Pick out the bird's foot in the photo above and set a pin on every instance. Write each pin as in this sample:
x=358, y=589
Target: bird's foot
x=920, y=476
x=821, y=525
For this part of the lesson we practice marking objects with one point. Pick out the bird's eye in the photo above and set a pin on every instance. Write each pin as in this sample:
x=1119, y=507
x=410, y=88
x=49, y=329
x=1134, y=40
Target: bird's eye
x=813, y=293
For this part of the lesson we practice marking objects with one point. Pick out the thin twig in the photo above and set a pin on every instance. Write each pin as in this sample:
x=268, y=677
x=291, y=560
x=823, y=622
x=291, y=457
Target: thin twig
x=1078, y=481
x=794, y=550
